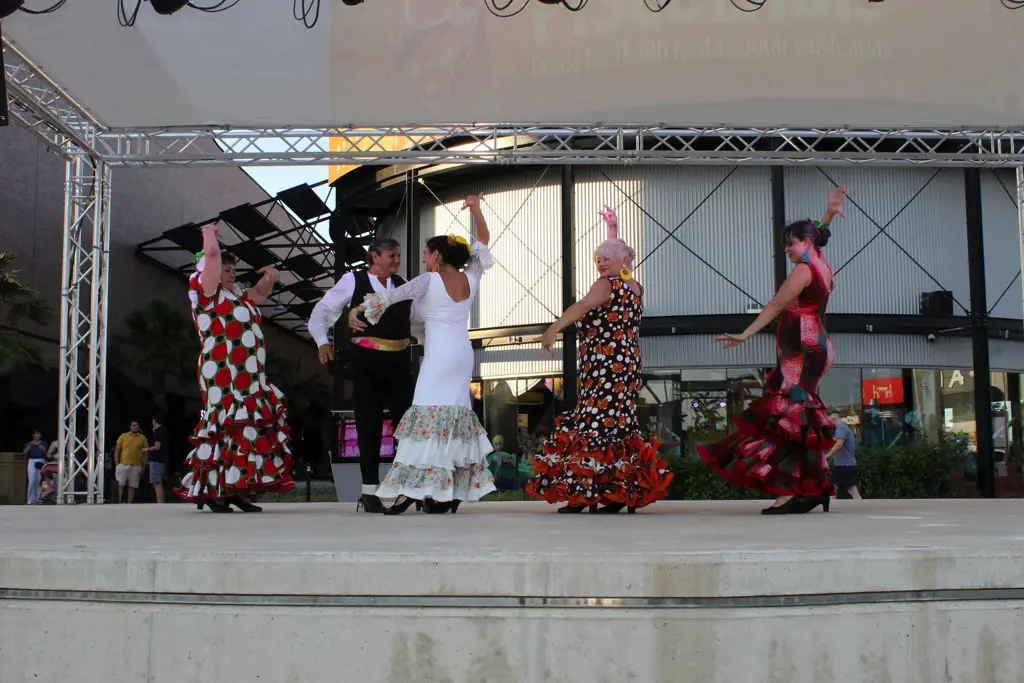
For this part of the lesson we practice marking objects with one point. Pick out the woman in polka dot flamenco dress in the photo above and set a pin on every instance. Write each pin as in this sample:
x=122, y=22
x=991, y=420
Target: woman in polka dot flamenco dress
x=241, y=442
x=596, y=455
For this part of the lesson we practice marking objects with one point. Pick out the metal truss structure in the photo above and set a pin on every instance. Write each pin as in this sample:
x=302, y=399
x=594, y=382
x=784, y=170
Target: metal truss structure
x=83, y=332
x=91, y=149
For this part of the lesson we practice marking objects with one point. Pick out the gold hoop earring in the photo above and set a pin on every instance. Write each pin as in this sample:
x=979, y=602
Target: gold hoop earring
x=625, y=273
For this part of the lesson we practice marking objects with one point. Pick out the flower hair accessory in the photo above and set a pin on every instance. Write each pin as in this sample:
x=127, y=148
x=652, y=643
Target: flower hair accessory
x=456, y=239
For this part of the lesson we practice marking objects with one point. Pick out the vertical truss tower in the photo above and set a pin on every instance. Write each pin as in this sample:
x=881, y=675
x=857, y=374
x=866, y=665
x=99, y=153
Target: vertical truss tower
x=83, y=334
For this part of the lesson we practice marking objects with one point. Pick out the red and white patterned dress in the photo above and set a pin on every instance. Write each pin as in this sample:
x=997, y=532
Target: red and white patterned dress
x=596, y=454
x=784, y=434
x=242, y=445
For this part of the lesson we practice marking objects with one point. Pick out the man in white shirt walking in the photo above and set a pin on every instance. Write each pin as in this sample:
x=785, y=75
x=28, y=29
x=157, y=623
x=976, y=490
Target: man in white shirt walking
x=380, y=360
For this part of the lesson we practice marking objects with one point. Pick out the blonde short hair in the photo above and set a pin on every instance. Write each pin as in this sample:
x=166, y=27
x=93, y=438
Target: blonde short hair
x=617, y=249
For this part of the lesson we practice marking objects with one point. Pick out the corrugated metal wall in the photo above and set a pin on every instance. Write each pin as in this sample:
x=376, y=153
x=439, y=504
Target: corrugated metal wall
x=1002, y=243
x=723, y=216
x=524, y=360
x=695, y=351
x=523, y=212
x=922, y=211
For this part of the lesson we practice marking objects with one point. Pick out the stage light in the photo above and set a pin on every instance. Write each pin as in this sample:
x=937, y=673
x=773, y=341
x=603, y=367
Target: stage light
x=167, y=6
x=9, y=7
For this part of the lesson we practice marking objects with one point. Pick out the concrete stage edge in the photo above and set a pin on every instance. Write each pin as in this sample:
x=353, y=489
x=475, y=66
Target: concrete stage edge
x=874, y=591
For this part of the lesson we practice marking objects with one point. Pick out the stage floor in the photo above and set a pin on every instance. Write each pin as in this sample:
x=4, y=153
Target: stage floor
x=673, y=549
x=685, y=592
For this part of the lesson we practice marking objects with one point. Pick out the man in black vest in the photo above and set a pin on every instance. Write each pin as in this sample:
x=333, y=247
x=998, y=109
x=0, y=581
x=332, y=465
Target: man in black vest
x=380, y=359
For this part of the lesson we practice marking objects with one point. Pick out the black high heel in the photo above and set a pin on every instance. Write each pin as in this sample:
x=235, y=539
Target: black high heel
x=432, y=507
x=214, y=506
x=793, y=506
x=574, y=509
x=616, y=508
x=368, y=503
x=401, y=506
x=243, y=505
x=810, y=503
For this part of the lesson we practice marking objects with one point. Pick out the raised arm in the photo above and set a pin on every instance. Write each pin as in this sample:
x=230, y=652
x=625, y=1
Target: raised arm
x=599, y=294
x=483, y=235
x=611, y=219
x=375, y=304
x=326, y=313
x=798, y=279
x=834, y=207
x=209, y=279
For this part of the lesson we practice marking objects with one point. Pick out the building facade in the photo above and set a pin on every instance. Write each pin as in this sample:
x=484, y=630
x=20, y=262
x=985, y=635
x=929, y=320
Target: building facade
x=709, y=254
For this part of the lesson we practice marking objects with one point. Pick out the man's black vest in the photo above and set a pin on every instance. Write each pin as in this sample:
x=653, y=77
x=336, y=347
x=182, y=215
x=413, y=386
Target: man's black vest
x=394, y=324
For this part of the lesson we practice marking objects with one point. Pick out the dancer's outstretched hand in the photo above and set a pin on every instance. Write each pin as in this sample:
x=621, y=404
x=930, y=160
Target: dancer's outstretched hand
x=213, y=227
x=835, y=201
x=547, y=343
x=326, y=353
x=473, y=202
x=728, y=341
x=611, y=219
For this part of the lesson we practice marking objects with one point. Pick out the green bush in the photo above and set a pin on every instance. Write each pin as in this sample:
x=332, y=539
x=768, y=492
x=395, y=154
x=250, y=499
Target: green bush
x=921, y=469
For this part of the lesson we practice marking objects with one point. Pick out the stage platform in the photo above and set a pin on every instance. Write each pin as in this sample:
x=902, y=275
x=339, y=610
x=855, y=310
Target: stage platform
x=706, y=592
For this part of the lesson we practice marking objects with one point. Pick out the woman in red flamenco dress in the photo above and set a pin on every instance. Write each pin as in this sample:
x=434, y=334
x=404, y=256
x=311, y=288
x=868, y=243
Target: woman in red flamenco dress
x=784, y=434
x=596, y=455
x=241, y=443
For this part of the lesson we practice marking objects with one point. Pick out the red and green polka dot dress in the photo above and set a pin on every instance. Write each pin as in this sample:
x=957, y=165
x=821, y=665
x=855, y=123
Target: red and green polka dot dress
x=241, y=443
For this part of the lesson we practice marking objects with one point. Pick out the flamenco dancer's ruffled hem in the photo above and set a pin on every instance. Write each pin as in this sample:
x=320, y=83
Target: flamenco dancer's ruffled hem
x=779, y=448
x=468, y=484
x=575, y=472
x=232, y=457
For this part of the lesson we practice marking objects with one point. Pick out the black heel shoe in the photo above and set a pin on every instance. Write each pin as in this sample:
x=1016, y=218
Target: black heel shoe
x=433, y=507
x=793, y=506
x=243, y=505
x=214, y=506
x=400, y=506
x=455, y=506
x=810, y=503
x=368, y=503
x=574, y=509
x=615, y=508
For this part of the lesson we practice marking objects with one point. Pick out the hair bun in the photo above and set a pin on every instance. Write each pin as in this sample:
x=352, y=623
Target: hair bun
x=823, y=236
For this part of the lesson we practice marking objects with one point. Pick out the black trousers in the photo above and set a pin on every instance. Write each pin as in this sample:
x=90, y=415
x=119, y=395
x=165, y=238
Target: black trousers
x=381, y=379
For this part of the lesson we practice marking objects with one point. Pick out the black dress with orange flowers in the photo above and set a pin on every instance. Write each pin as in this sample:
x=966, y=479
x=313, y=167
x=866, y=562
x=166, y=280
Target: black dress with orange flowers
x=596, y=454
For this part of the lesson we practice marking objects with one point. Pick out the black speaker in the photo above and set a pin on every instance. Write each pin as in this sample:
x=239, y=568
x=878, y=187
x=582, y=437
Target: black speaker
x=937, y=303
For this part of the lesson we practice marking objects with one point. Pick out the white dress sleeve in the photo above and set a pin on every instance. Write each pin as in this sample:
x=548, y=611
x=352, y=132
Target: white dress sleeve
x=480, y=259
x=376, y=303
x=416, y=324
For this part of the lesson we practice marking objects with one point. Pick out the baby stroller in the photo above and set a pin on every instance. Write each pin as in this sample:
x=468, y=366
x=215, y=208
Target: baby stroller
x=47, y=492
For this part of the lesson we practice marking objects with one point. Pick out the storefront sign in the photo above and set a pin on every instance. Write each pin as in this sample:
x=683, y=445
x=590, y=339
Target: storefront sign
x=884, y=391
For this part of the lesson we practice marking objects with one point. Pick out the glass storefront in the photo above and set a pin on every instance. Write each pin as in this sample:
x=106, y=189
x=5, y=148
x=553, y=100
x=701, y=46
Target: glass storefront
x=887, y=408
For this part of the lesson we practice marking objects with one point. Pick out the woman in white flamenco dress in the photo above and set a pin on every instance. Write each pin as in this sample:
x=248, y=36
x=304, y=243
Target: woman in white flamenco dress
x=442, y=447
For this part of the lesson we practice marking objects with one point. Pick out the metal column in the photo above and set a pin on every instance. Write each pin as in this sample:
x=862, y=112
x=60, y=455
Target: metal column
x=569, y=370
x=83, y=332
x=779, y=259
x=979, y=319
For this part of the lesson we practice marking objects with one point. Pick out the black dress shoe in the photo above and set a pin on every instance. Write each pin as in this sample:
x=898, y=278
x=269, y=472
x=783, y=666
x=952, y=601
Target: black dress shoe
x=370, y=503
x=215, y=506
x=574, y=509
x=401, y=505
x=793, y=506
x=242, y=504
x=615, y=508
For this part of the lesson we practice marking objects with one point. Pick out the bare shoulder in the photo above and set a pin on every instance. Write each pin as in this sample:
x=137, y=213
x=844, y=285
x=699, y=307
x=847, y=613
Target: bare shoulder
x=635, y=287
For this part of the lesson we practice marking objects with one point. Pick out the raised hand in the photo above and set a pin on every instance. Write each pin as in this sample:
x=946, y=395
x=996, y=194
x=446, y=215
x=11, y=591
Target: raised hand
x=473, y=202
x=270, y=274
x=835, y=201
x=728, y=341
x=611, y=219
x=211, y=227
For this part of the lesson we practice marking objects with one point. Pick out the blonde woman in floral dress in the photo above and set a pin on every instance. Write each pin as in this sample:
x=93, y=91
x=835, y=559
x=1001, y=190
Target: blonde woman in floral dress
x=442, y=447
